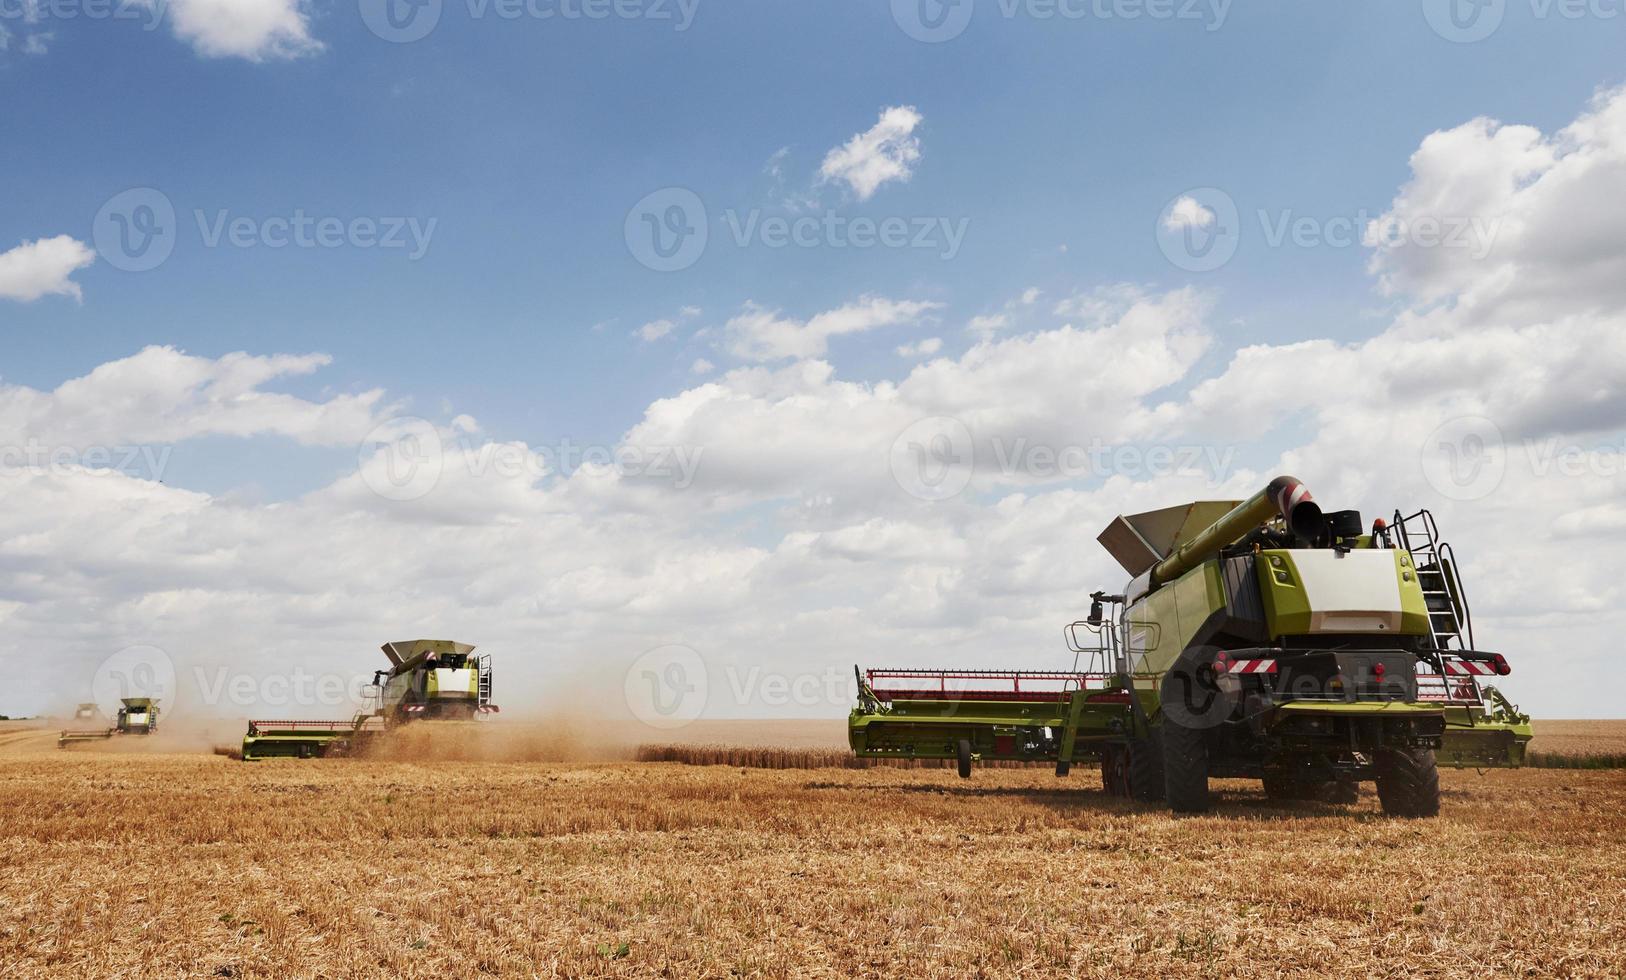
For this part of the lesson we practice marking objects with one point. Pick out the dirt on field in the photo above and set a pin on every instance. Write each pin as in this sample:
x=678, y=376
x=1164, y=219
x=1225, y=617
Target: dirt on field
x=152, y=864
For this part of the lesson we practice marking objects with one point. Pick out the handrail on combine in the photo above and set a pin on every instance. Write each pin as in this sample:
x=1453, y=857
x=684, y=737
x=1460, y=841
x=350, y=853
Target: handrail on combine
x=957, y=685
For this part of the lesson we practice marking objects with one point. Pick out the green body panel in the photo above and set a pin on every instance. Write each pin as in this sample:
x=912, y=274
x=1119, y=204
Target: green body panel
x=1162, y=625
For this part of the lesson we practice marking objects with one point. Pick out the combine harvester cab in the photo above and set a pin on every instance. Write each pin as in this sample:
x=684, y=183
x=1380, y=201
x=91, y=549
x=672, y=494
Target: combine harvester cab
x=1258, y=639
x=427, y=680
x=137, y=716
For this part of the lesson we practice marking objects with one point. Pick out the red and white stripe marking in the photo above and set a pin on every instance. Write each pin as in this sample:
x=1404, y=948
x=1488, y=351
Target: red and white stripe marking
x=1291, y=496
x=1464, y=668
x=1251, y=667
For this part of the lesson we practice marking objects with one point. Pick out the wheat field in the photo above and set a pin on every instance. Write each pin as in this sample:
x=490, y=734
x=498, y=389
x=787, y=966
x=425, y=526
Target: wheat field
x=158, y=864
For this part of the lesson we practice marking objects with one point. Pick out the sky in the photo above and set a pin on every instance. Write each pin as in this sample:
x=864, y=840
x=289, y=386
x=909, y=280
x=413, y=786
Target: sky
x=680, y=352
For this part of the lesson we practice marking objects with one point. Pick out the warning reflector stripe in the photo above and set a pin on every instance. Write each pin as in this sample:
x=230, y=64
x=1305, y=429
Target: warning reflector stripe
x=1464, y=668
x=1253, y=667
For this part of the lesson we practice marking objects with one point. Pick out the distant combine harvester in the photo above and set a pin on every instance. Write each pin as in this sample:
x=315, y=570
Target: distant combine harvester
x=439, y=681
x=137, y=716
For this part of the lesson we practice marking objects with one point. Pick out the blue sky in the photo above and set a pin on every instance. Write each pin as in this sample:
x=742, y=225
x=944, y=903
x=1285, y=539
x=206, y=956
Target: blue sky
x=1062, y=150
x=527, y=141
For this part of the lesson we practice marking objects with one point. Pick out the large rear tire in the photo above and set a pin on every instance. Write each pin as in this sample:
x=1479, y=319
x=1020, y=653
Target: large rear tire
x=962, y=753
x=1408, y=783
x=1185, y=768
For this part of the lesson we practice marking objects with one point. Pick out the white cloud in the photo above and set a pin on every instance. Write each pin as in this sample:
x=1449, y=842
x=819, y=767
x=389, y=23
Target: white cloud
x=761, y=334
x=1030, y=295
x=702, y=366
x=1508, y=221
x=41, y=268
x=885, y=152
x=162, y=395
x=255, y=30
x=922, y=348
x=990, y=323
x=1187, y=213
x=654, y=330
x=37, y=43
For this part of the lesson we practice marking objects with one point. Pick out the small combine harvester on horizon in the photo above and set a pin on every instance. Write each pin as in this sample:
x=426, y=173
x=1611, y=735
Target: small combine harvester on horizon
x=427, y=681
x=1257, y=639
x=137, y=716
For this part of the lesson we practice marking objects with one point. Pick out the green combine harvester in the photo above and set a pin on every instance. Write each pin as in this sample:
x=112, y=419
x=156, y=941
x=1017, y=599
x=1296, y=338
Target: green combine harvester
x=427, y=680
x=1260, y=639
x=137, y=716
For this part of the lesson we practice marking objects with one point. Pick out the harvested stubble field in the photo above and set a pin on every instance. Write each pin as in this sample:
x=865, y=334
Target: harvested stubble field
x=129, y=864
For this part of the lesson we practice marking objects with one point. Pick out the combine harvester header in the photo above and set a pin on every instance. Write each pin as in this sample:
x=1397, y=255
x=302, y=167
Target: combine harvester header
x=1257, y=639
x=427, y=680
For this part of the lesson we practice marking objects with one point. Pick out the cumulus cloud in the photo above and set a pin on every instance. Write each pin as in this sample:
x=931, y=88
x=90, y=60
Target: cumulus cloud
x=254, y=30
x=1187, y=213
x=162, y=395
x=885, y=152
x=42, y=268
x=761, y=334
x=654, y=330
x=921, y=348
x=1505, y=219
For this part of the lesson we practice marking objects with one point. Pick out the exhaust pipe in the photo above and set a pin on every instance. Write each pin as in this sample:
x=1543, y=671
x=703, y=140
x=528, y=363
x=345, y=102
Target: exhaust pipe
x=1283, y=497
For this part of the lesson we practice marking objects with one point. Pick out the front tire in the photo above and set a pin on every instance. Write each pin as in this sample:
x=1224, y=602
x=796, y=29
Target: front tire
x=1146, y=768
x=1185, y=768
x=1408, y=783
x=962, y=754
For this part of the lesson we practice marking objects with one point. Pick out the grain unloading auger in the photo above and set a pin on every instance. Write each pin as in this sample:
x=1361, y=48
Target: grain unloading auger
x=427, y=680
x=1258, y=639
x=137, y=716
